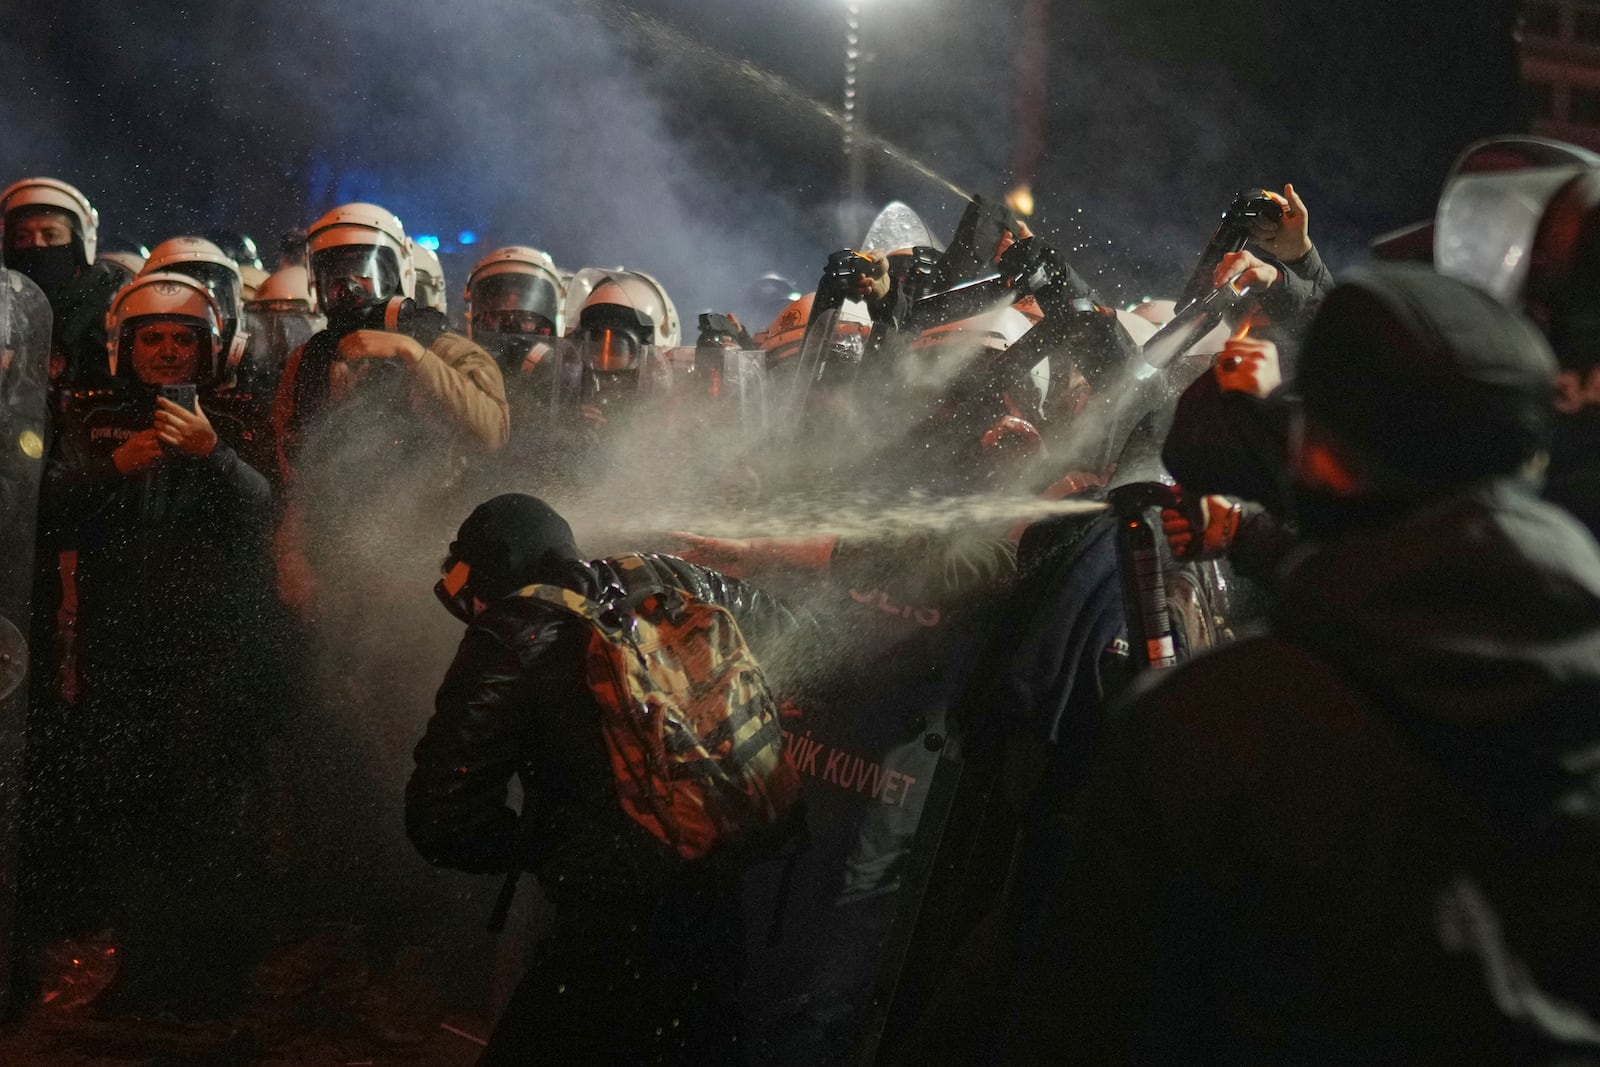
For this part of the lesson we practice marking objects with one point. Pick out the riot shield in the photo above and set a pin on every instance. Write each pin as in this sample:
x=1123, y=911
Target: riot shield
x=581, y=393
x=742, y=394
x=1487, y=225
x=831, y=352
x=896, y=227
x=868, y=744
x=24, y=443
x=276, y=328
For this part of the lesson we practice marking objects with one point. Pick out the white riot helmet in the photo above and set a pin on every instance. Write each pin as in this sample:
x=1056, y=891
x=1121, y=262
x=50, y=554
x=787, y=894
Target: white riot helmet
x=359, y=257
x=514, y=290
x=281, y=317
x=250, y=279
x=286, y=289
x=202, y=260
x=165, y=296
x=781, y=341
x=208, y=264
x=57, y=195
x=131, y=262
x=430, y=285
x=625, y=313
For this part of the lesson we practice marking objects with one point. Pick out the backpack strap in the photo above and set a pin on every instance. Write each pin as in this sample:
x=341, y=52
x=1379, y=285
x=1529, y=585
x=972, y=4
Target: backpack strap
x=638, y=581
x=628, y=581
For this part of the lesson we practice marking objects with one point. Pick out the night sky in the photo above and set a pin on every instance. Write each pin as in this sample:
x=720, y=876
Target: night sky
x=640, y=135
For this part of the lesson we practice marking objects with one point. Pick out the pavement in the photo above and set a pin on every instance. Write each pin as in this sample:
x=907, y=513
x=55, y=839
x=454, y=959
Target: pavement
x=317, y=1003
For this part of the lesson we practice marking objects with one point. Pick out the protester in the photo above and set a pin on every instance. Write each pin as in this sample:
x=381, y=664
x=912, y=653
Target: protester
x=644, y=961
x=1366, y=837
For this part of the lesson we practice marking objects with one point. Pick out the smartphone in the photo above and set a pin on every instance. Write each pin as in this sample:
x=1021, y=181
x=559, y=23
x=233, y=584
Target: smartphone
x=181, y=395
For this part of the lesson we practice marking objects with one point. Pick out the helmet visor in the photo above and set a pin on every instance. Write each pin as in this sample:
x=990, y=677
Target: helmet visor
x=514, y=303
x=223, y=283
x=608, y=350
x=168, y=349
x=352, y=277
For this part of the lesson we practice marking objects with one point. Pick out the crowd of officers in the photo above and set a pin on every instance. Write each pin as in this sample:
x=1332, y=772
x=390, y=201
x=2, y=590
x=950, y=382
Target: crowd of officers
x=1366, y=835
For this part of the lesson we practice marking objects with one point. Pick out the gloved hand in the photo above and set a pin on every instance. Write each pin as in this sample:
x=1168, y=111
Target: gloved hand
x=1214, y=518
x=1028, y=265
x=873, y=285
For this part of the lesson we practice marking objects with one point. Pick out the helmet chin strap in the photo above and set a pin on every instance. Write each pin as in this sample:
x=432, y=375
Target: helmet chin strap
x=236, y=350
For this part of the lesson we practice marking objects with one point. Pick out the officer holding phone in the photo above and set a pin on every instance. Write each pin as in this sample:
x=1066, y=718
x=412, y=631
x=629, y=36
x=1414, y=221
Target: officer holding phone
x=161, y=759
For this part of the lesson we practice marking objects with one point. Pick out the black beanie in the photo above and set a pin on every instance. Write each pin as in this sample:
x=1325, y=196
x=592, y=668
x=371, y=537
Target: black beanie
x=512, y=541
x=1434, y=377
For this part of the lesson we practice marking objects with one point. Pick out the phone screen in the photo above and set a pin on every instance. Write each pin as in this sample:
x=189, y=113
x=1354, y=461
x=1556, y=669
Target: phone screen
x=181, y=395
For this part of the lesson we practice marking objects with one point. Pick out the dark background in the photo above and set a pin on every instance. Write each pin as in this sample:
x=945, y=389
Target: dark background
x=683, y=137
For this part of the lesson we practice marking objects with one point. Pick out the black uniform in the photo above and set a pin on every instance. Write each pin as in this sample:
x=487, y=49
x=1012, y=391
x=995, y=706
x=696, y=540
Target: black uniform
x=159, y=766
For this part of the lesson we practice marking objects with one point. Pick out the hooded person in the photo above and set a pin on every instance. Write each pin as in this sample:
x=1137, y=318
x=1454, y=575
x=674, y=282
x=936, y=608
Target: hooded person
x=646, y=955
x=1367, y=836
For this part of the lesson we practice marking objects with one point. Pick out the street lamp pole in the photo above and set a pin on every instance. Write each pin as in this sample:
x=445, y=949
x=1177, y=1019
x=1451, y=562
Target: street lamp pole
x=854, y=163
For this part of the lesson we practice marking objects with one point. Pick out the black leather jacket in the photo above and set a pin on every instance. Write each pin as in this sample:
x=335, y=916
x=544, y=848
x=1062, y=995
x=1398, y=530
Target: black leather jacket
x=514, y=703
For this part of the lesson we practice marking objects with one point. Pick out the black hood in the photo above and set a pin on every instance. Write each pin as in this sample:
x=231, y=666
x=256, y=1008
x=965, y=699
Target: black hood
x=511, y=541
x=1429, y=375
x=1474, y=609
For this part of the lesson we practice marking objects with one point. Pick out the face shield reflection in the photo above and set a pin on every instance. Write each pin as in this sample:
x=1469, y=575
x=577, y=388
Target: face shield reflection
x=609, y=351
x=223, y=283
x=352, y=277
x=514, y=304
x=276, y=328
x=1487, y=224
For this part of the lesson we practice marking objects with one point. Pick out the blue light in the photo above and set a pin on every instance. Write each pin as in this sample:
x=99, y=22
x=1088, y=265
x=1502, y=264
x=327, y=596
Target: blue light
x=467, y=237
x=428, y=241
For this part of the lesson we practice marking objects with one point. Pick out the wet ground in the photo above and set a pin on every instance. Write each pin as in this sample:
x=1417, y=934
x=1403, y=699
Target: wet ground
x=316, y=1004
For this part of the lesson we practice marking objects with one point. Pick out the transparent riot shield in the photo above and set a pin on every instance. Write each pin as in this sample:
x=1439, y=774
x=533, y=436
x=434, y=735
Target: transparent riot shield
x=830, y=355
x=583, y=395
x=276, y=328
x=1487, y=225
x=660, y=370
x=898, y=226
x=730, y=393
x=24, y=444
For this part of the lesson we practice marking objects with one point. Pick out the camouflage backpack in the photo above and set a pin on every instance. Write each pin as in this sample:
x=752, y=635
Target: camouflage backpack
x=689, y=724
